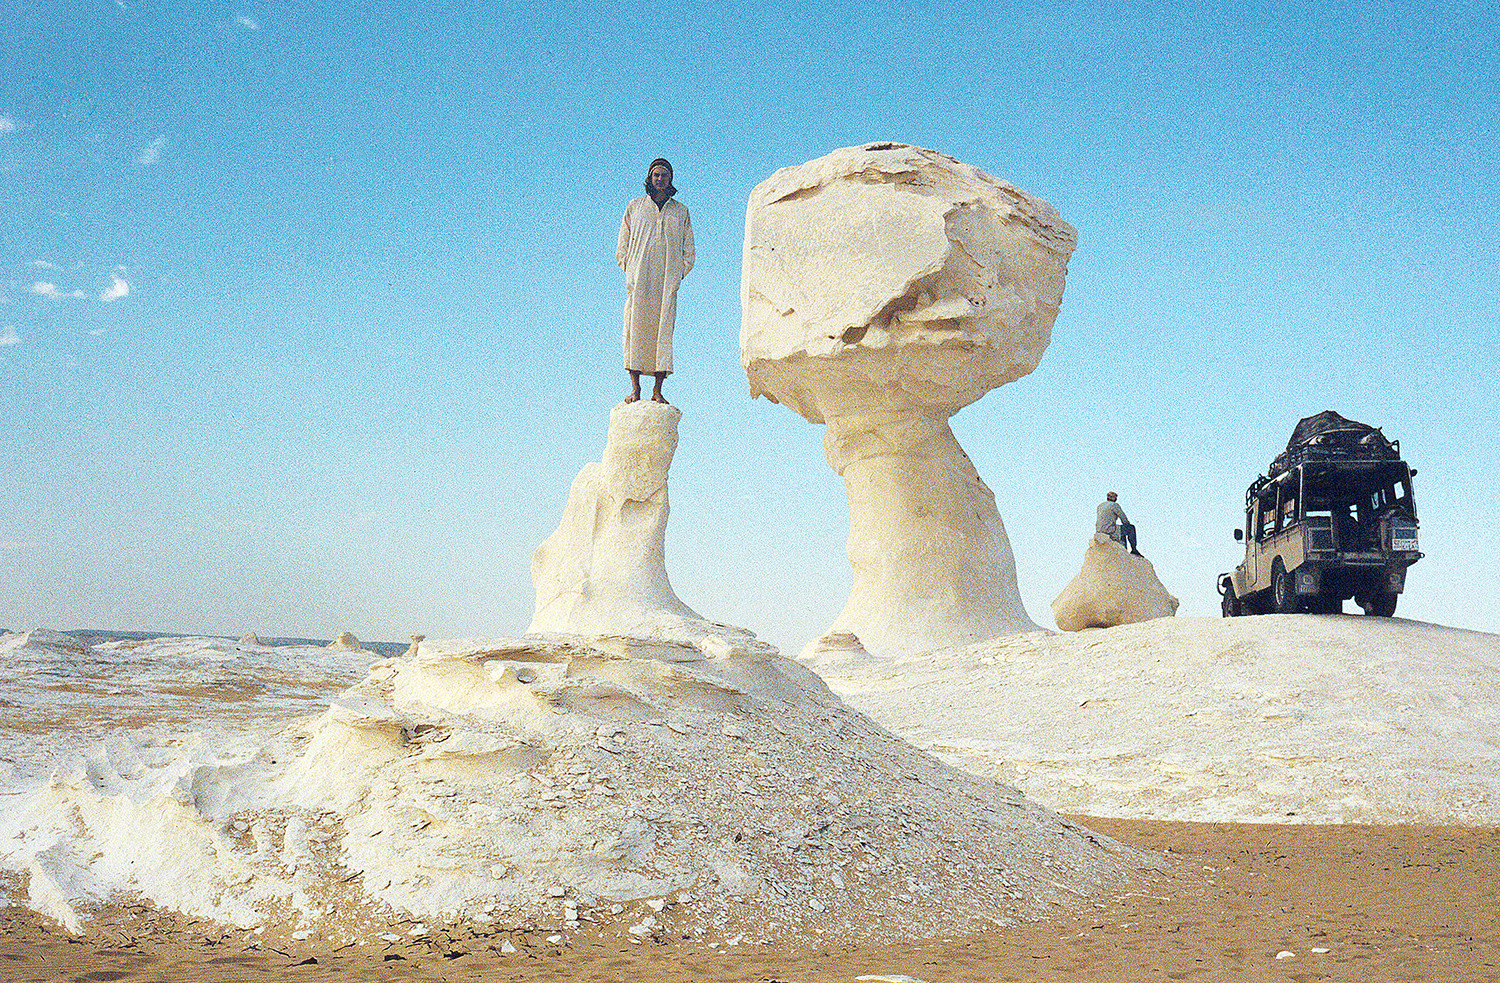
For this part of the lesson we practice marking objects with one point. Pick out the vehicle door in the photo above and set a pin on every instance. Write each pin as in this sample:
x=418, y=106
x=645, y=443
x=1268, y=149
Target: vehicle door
x=1263, y=541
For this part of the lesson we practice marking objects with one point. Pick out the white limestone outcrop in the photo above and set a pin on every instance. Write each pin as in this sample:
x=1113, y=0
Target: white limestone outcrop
x=1280, y=718
x=619, y=787
x=346, y=642
x=884, y=288
x=604, y=571
x=1113, y=588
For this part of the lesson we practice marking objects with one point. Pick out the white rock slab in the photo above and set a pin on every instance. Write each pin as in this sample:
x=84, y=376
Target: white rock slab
x=884, y=288
x=1274, y=718
x=1113, y=588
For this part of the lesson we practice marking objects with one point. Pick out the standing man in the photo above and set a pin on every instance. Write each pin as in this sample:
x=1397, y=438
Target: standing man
x=656, y=252
x=1113, y=523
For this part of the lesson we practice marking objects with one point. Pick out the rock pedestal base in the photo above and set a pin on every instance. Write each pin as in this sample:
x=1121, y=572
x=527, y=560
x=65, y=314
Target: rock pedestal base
x=604, y=571
x=932, y=562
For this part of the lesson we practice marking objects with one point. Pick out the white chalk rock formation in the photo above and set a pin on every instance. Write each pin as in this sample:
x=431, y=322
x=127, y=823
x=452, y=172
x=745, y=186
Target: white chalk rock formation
x=250, y=639
x=1113, y=588
x=346, y=642
x=643, y=788
x=884, y=288
x=604, y=571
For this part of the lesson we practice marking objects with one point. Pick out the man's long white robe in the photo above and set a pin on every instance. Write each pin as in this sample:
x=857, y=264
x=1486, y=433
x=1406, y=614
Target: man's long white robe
x=656, y=252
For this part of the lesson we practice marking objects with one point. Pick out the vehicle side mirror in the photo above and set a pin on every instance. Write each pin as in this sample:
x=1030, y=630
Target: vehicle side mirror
x=1239, y=535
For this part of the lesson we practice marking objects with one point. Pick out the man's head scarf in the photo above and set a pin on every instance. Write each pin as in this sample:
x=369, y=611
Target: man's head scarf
x=671, y=188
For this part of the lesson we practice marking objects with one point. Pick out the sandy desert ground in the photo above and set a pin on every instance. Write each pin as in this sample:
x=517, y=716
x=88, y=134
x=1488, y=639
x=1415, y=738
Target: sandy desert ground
x=1233, y=902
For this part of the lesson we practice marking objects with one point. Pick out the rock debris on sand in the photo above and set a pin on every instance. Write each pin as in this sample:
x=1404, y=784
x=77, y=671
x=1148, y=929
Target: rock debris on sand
x=711, y=789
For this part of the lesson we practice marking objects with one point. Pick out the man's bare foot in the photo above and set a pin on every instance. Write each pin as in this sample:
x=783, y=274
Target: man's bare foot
x=633, y=398
x=659, y=398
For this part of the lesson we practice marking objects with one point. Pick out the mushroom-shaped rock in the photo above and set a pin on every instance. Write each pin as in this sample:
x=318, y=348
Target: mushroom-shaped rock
x=604, y=571
x=884, y=288
x=1113, y=588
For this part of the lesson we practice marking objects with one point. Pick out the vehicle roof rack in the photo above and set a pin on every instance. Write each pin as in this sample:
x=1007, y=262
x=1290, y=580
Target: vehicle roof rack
x=1327, y=436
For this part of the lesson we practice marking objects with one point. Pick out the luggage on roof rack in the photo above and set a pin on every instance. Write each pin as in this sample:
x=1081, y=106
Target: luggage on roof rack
x=1328, y=436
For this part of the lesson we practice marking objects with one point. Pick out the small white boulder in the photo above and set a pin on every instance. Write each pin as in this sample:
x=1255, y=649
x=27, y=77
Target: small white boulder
x=346, y=642
x=1113, y=588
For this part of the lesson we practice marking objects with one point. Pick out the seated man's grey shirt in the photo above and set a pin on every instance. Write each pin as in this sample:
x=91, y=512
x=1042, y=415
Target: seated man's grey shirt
x=1110, y=515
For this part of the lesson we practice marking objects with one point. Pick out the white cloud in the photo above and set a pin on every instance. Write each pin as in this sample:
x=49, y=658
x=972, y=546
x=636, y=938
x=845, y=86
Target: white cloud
x=151, y=153
x=97, y=331
x=247, y=22
x=50, y=291
x=46, y=265
x=8, y=335
x=7, y=125
x=115, y=290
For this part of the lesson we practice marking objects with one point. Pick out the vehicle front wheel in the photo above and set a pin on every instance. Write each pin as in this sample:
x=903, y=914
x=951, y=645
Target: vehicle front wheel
x=1231, y=601
x=1381, y=605
x=1283, y=590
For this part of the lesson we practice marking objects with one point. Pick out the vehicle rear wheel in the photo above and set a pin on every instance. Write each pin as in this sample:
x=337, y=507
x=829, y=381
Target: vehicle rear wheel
x=1231, y=602
x=1381, y=605
x=1283, y=590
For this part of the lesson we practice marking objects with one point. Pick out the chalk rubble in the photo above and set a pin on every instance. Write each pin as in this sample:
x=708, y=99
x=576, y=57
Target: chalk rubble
x=1113, y=588
x=884, y=288
x=544, y=779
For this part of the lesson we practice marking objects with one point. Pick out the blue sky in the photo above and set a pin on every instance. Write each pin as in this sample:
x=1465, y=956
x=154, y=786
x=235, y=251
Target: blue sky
x=309, y=313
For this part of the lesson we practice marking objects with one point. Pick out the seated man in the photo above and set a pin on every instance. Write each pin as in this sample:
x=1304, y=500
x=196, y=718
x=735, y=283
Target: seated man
x=1113, y=523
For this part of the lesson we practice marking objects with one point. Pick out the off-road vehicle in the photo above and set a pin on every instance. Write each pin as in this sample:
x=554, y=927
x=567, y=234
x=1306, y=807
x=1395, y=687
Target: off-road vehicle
x=1334, y=517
